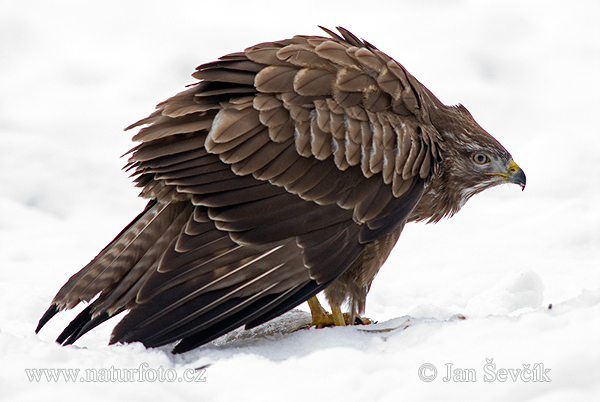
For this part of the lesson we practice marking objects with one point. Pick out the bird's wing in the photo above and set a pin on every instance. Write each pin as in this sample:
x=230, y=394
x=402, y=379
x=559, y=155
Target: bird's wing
x=318, y=116
x=294, y=155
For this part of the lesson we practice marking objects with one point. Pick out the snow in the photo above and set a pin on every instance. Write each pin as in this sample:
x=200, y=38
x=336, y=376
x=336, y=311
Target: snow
x=73, y=74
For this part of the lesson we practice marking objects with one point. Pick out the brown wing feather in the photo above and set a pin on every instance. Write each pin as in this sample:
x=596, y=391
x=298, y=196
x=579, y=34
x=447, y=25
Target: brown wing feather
x=269, y=177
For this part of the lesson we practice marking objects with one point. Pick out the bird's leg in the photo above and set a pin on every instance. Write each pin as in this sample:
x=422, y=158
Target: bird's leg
x=338, y=316
x=321, y=318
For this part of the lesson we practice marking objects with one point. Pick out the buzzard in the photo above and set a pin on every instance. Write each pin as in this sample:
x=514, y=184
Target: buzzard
x=287, y=169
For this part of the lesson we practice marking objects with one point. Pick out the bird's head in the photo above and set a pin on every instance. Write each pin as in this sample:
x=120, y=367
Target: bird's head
x=471, y=161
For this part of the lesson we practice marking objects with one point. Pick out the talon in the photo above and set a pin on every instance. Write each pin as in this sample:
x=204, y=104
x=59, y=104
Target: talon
x=363, y=321
x=321, y=318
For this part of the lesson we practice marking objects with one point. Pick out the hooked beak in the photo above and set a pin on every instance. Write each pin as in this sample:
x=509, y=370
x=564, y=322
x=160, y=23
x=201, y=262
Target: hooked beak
x=514, y=174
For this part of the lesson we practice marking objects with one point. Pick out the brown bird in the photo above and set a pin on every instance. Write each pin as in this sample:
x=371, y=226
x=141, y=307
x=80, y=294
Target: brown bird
x=287, y=169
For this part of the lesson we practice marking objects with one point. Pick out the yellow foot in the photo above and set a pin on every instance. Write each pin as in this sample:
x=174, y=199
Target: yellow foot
x=321, y=318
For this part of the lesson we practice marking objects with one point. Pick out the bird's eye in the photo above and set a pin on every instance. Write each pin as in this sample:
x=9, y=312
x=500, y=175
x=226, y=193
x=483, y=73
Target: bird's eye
x=481, y=158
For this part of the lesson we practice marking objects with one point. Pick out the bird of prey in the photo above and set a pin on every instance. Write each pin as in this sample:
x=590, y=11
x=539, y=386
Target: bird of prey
x=287, y=169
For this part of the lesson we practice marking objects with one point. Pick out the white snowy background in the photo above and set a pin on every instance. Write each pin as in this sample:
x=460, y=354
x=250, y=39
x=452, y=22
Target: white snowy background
x=74, y=73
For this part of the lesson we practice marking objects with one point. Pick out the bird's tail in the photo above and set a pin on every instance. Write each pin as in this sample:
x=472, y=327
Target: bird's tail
x=119, y=270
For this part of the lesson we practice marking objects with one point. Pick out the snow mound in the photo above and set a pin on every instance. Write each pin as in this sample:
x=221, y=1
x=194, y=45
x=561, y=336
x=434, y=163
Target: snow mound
x=514, y=292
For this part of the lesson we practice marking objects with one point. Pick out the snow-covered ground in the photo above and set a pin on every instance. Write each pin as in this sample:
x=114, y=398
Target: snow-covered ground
x=74, y=73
